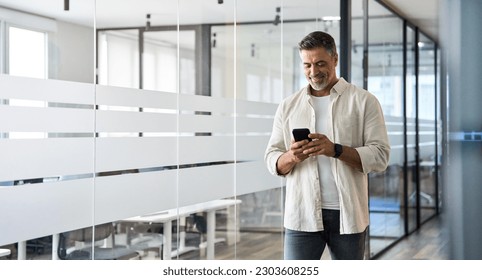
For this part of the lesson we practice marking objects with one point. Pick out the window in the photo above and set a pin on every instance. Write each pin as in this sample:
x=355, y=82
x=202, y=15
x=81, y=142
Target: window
x=27, y=53
x=27, y=57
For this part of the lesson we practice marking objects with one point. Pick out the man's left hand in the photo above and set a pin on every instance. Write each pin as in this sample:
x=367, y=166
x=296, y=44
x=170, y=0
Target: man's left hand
x=320, y=145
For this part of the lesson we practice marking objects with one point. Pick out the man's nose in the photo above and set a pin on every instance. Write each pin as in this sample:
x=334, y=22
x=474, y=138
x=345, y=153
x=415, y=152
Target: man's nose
x=313, y=69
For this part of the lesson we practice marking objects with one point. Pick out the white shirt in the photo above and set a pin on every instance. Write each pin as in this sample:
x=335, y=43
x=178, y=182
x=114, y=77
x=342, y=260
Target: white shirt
x=329, y=192
x=356, y=120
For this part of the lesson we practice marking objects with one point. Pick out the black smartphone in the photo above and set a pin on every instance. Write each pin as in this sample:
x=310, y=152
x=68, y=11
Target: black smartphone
x=301, y=134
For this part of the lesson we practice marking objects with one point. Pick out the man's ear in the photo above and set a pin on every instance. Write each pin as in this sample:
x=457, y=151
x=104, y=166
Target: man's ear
x=336, y=59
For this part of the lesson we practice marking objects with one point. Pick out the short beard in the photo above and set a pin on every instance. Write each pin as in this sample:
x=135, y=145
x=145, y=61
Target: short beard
x=319, y=86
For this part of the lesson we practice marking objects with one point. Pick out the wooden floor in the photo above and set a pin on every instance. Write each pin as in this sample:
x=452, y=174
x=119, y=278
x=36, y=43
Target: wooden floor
x=428, y=243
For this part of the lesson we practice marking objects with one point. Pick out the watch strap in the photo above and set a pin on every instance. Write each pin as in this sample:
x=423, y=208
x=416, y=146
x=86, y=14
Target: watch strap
x=338, y=150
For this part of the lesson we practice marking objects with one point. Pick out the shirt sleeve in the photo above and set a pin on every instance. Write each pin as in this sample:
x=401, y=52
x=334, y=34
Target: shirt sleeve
x=276, y=145
x=375, y=152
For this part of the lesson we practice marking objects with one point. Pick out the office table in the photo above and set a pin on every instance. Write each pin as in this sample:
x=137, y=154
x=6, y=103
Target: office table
x=166, y=218
x=4, y=252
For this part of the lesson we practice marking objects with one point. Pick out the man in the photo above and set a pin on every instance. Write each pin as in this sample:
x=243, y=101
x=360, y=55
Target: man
x=326, y=178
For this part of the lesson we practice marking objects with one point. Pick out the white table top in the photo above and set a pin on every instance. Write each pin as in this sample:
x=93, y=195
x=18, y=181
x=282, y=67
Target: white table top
x=172, y=214
x=4, y=252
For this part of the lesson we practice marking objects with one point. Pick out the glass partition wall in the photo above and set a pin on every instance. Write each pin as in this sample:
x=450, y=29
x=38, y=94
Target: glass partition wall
x=47, y=95
x=150, y=122
x=401, y=72
x=411, y=132
x=385, y=81
x=258, y=86
x=427, y=122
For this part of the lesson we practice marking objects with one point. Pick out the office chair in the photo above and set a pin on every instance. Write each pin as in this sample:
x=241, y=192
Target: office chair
x=68, y=248
x=196, y=226
x=139, y=237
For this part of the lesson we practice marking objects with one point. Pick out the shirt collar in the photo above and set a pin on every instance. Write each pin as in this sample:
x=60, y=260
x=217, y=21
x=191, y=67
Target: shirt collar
x=338, y=88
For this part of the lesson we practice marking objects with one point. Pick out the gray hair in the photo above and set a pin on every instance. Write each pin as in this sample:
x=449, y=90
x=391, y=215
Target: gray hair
x=318, y=39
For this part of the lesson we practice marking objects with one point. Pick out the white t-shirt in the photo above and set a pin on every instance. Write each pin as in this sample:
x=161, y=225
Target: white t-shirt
x=329, y=192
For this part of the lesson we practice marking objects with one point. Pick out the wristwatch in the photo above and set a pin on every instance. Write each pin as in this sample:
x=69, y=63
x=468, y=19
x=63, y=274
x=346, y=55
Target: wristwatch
x=338, y=150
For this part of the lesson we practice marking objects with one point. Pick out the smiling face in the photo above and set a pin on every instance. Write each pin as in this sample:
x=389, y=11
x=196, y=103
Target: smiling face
x=320, y=70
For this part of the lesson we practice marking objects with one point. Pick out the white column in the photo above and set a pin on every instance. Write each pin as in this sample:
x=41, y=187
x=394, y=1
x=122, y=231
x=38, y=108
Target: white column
x=167, y=240
x=22, y=250
x=211, y=224
x=55, y=246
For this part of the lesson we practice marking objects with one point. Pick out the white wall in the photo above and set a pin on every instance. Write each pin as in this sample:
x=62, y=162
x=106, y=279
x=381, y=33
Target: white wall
x=71, y=53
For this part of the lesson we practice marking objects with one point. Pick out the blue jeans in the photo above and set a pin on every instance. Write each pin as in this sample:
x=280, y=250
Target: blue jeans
x=301, y=245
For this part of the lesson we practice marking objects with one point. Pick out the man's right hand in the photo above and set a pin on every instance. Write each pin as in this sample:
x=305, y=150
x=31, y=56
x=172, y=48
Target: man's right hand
x=297, y=149
x=295, y=155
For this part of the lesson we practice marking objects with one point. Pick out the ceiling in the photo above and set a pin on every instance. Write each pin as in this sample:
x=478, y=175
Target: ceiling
x=127, y=13
x=424, y=14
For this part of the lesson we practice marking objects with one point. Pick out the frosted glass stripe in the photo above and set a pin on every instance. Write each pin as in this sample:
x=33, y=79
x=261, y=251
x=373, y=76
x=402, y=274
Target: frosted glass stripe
x=251, y=147
x=427, y=121
x=22, y=119
x=427, y=127
x=390, y=118
x=40, y=158
x=129, y=97
x=395, y=127
x=427, y=152
x=245, y=125
x=206, y=149
x=206, y=104
x=206, y=123
x=396, y=156
x=135, y=152
x=411, y=143
x=254, y=177
x=117, y=121
x=12, y=87
x=395, y=140
x=205, y=183
x=428, y=138
x=245, y=107
x=32, y=211
x=125, y=196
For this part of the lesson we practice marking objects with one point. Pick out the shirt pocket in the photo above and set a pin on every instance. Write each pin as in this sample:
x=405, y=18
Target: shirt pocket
x=346, y=130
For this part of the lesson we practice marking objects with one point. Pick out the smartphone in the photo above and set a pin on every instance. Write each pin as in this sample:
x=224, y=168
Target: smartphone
x=301, y=134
